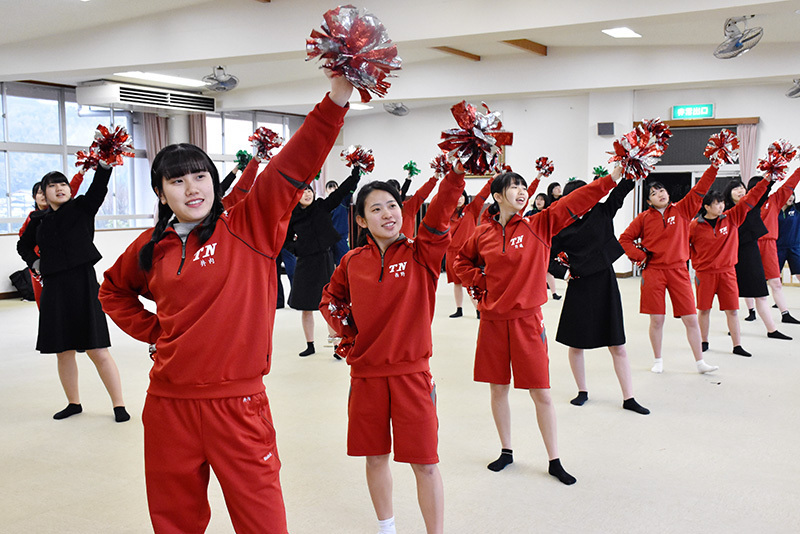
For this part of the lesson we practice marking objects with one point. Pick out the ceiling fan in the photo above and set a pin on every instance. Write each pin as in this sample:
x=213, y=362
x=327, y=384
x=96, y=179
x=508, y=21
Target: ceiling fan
x=738, y=41
x=396, y=108
x=794, y=92
x=219, y=80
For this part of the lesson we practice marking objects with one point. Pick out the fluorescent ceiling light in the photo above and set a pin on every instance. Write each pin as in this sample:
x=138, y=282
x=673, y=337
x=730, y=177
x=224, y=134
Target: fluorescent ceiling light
x=162, y=78
x=621, y=33
x=358, y=106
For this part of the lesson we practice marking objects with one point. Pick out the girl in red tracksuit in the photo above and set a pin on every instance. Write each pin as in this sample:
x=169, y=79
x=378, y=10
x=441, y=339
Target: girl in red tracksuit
x=412, y=205
x=206, y=406
x=391, y=384
x=767, y=245
x=511, y=334
x=462, y=224
x=662, y=232
x=713, y=246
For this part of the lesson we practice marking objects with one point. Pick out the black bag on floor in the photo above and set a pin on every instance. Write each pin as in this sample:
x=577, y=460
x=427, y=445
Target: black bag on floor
x=22, y=283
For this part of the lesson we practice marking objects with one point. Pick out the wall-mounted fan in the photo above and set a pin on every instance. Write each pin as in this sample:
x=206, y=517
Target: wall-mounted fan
x=737, y=40
x=218, y=80
x=396, y=108
x=794, y=92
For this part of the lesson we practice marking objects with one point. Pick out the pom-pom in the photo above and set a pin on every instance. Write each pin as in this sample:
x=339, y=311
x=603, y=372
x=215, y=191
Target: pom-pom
x=722, y=147
x=783, y=147
x=500, y=168
x=773, y=166
x=639, y=150
x=476, y=293
x=340, y=311
x=111, y=145
x=643, y=263
x=545, y=166
x=319, y=173
x=599, y=172
x=345, y=347
x=356, y=45
x=87, y=160
x=562, y=259
x=440, y=165
x=477, y=140
x=356, y=155
x=657, y=128
x=411, y=169
x=265, y=141
x=243, y=157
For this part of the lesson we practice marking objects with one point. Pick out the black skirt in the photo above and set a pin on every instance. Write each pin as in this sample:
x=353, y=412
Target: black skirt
x=311, y=275
x=591, y=315
x=70, y=317
x=750, y=271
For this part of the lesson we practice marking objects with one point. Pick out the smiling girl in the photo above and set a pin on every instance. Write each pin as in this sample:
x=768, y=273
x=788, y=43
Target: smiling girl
x=392, y=393
x=206, y=406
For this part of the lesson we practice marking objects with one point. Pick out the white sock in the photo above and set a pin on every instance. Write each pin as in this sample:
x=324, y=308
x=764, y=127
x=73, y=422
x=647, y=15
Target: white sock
x=703, y=367
x=658, y=366
x=386, y=526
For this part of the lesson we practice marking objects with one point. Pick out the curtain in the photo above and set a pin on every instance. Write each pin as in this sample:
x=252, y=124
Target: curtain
x=747, y=134
x=155, y=135
x=197, y=130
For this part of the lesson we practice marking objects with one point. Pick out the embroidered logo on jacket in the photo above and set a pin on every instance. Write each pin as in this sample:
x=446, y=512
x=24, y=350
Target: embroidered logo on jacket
x=205, y=255
x=671, y=220
x=723, y=230
x=516, y=242
x=398, y=269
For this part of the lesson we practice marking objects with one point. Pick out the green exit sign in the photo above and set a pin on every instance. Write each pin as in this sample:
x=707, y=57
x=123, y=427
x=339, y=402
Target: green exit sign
x=697, y=111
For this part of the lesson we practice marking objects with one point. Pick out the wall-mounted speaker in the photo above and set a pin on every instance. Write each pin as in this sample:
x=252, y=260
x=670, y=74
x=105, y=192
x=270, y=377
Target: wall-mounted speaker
x=605, y=128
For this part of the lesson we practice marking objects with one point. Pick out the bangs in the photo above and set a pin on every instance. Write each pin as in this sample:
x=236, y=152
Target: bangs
x=53, y=177
x=179, y=160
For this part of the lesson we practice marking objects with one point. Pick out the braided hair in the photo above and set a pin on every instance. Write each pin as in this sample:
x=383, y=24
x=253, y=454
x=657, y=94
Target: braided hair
x=171, y=162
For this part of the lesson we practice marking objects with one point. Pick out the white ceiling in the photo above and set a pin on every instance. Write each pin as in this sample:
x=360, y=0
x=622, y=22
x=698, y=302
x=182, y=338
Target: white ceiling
x=263, y=44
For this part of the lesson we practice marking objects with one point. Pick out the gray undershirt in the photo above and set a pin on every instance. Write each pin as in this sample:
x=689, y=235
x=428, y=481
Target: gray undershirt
x=183, y=229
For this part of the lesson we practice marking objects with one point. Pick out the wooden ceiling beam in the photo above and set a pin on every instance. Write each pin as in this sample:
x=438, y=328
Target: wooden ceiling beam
x=457, y=52
x=528, y=45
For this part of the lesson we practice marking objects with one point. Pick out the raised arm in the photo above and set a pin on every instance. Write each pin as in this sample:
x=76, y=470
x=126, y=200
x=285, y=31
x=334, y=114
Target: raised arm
x=617, y=196
x=75, y=183
x=98, y=189
x=474, y=207
x=433, y=235
x=412, y=205
x=689, y=205
x=785, y=191
x=348, y=186
x=739, y=212
x=225, y=184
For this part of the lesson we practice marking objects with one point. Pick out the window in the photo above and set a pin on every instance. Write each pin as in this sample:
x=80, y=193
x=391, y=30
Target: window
x=32, y=114
x=82, y=122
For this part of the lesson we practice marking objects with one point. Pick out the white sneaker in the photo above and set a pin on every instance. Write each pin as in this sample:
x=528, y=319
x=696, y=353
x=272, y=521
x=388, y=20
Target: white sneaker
x=703, y=367
x=332, y=341
x=658, y=366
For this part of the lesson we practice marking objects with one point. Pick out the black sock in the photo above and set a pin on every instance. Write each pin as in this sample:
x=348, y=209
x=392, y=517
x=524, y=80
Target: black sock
x=71, y=409
x=778, y=335
x=556, y=296
x=704, y=345
x=121, y=414
x=786, y=317
x=557, y=471
x=632, y=405
x=582, y=397
x=740, y=351
x=751, y=315
x=309, y=349
x=458, y=313
x=506, y=457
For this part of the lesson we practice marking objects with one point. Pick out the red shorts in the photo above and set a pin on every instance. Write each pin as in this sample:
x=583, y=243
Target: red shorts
x=402, y=407
x=723, y=285
x=769, y=258
x=518, y=345
x=235, y=437
x=655, y=282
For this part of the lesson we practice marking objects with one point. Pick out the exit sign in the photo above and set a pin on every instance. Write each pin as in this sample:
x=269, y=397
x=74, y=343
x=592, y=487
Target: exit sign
x=697, y=111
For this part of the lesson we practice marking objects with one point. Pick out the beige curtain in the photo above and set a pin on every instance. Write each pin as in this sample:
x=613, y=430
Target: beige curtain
x=155, y=135
x=747, y=134
x=197, y=130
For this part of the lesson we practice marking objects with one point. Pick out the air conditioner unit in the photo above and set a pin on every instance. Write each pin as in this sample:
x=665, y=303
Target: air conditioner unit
x=141, y=98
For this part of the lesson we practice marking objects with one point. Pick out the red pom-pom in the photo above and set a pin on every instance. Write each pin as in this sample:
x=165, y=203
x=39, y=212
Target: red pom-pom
x=355, y=45
x=340, y=311
x=639, y=150
x=783, y=147
x=774, y=165
x=266, y=141
x=356, y=155
x=477, y=140
x=722, y=148
x=545, y=166
x=440, y=165
x=111, y=146
x=87, y=160
x=476, y=293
